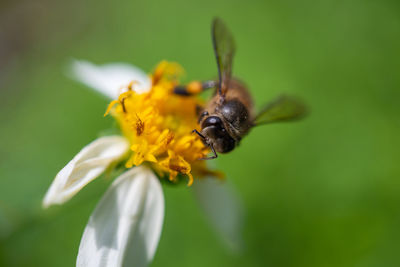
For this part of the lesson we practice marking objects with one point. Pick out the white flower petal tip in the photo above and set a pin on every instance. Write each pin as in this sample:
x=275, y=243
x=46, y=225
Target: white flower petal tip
x=125, y=227
x=110, y=79
x=88, y=164
x=223, y=209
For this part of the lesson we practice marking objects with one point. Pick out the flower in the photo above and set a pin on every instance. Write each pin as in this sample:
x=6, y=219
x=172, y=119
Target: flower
x=159, y=124
x=156, y=125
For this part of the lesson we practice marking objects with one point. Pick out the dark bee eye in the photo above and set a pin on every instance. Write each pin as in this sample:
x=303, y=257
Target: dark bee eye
x=213, y=128
x=212, y=121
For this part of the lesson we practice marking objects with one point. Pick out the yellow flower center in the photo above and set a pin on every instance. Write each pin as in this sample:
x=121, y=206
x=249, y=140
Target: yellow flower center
x=159, y=126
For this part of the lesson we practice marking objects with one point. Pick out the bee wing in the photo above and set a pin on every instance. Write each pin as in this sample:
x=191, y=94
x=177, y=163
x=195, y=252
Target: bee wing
x=284, y=108
x=224, y=49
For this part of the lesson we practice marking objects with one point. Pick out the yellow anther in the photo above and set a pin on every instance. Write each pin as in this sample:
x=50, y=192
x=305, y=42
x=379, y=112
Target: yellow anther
x=158, y=124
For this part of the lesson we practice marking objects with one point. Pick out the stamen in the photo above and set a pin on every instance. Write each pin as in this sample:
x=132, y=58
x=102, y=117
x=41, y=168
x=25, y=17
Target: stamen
x=190, y=182
x=110, y=106
x=139, y=126
x=158, y=124
x=123, y=104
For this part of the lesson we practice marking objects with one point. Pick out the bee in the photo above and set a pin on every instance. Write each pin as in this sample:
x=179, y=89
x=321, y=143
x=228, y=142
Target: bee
x=229, y=114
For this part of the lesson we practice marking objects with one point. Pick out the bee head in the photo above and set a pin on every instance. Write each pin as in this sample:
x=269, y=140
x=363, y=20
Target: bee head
x=216, y=135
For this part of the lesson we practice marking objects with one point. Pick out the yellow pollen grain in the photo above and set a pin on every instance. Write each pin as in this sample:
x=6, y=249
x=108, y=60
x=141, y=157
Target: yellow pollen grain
x=159, y=126
x=194, y=87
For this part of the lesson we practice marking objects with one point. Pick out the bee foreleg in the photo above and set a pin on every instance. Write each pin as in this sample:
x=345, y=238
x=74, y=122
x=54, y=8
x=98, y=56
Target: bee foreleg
x=213, y=156
x=199, y=134
x=210, y=145
x=193, y=88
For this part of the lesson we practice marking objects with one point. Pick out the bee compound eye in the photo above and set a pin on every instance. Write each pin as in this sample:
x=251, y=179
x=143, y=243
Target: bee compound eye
x=212, y=121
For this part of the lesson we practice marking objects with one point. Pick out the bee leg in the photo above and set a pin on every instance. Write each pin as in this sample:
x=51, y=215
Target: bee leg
x=213, y=156
x=193, y=88
x=210, y=145
x=199, y=134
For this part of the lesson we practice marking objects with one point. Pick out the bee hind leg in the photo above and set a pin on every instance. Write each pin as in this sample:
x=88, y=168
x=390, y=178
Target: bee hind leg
x=194, y=88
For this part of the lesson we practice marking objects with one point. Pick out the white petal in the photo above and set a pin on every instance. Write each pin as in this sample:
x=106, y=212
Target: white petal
x=88, y=164
x=125, y=227
x=222, y=208
x=110, y=79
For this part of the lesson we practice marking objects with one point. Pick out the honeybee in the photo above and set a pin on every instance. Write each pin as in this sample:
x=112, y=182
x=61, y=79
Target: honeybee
x=229, y=114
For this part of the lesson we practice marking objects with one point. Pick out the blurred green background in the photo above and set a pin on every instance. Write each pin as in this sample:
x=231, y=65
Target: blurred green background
x=321, y=192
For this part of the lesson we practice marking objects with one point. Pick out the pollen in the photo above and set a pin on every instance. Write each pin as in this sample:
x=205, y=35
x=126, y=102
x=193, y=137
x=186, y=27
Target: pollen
x=159, y=126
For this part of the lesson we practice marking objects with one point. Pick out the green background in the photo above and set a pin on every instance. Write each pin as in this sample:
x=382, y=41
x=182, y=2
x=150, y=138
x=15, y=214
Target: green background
x=321, y=192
